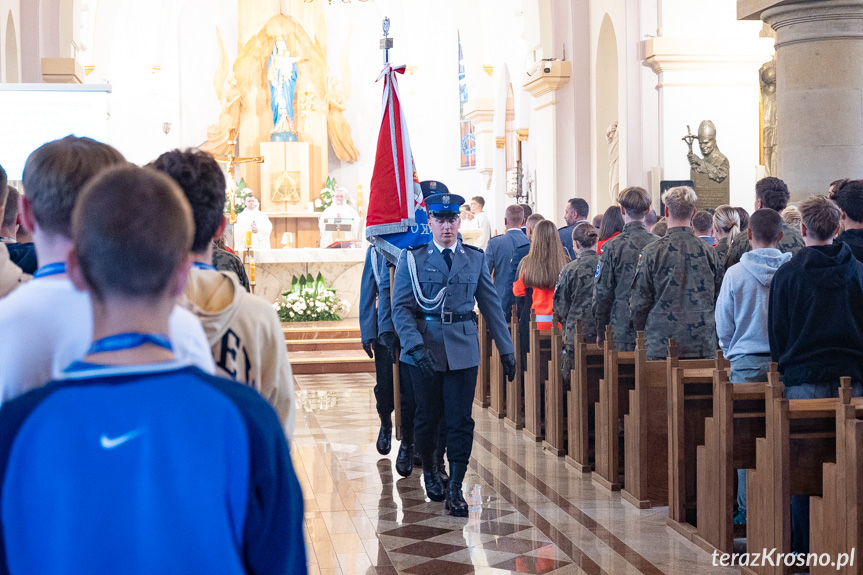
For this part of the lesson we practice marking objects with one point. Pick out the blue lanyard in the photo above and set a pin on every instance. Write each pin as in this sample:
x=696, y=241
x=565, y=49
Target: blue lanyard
x=50, y=270
x=130, y=340
x=203, y=266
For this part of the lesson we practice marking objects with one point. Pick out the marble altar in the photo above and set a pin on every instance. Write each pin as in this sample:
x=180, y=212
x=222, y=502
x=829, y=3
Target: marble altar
x=342, y=270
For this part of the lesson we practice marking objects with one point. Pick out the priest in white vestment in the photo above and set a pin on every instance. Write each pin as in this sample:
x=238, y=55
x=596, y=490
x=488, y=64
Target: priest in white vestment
x=252, y=219
x=342, y=215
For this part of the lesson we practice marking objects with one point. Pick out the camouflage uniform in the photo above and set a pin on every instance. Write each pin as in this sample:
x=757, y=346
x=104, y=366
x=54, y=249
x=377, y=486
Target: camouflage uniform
x=614, y=283
x=721, y=248
x=674, y=294
x=573, y=297
x=790, y=243
x=226, y=261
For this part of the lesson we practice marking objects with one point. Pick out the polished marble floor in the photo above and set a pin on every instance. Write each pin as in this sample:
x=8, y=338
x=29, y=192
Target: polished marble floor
x=530, y=513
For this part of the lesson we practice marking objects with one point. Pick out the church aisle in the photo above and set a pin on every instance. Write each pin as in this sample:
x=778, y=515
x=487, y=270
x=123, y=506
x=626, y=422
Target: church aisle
x=529, y=512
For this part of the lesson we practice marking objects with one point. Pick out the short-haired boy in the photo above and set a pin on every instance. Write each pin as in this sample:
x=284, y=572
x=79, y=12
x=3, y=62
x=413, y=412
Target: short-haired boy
x=134, y=462
x=59, y=318
x=675, y=283
x=243, y=330
x=849, y=197
x=741, y=309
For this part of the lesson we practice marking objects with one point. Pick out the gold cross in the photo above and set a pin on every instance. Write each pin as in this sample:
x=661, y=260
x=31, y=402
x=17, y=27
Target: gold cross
x=231, y=160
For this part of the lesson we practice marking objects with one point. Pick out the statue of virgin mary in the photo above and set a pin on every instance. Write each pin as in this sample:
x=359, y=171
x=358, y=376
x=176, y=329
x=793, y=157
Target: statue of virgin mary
x=282, y=75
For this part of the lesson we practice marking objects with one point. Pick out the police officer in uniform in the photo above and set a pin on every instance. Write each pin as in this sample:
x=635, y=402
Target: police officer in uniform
x=433, y=294
x=379, y=341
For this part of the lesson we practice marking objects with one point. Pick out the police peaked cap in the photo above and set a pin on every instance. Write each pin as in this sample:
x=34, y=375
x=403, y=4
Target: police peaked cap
x=444, y=204
x=430, y=187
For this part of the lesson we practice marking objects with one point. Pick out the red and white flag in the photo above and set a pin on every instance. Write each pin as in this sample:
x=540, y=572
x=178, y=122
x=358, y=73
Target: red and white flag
x=393, y=221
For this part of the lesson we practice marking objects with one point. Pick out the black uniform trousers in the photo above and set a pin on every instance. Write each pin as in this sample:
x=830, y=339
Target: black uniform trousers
x=384, y=391
x=447, y=397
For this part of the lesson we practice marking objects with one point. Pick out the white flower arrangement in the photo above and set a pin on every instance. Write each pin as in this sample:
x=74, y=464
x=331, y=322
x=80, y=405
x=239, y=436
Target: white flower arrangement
x=310, y=300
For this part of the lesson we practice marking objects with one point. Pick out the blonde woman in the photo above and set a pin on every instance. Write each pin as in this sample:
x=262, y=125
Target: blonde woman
x=726, y=225
x=540, y=270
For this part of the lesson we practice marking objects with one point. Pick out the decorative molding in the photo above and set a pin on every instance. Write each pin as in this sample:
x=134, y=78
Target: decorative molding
x=479, y=110
x=62, y=71
x=540, y=82
x=522, y=135
x=500, y=143
x=702, y=54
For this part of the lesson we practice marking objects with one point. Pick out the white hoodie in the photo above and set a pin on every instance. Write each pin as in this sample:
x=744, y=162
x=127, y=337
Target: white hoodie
x=245, y=336
x=741, y=310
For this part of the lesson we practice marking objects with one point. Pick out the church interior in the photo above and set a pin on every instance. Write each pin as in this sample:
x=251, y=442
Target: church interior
x=529, y=102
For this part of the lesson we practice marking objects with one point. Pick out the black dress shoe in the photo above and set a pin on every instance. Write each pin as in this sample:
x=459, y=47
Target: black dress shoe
x=418, y=461
x=385, y=442
x=405, y=459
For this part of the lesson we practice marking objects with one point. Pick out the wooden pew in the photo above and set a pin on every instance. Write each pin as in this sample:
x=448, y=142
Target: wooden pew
x=836, y=519
x=645, y=431
x=534, y=378
x=480, y=397
x=729, y=444
x=690, y=403
x=515, y=389
x=618, y=379
x=555, y=424
x=497, y=385
x=587, y=371
x=800, y=435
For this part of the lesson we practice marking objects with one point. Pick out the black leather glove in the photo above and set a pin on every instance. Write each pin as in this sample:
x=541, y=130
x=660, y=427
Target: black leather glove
x=508, y=362
x=367, y=347
x=422, y=360
x=391, y=342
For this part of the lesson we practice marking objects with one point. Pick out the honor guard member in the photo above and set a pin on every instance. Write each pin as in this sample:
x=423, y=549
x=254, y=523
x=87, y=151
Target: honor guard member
x=434, y=292
x=379, y=341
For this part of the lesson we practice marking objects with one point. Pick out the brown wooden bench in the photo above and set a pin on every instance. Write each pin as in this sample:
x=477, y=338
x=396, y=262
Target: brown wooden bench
x=515, y=389
x=836, y=518
x=497, y=385
x=555, y=422
x=690, y=403
x=535, y=376
x=480, y=396
x=588, y=365
x=645, y=430
x=618, y=379
x=729, y=444
x=800, y=436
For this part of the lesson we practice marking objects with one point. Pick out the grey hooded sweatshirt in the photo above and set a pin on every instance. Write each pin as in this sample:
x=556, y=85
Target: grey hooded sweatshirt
x=741, y=310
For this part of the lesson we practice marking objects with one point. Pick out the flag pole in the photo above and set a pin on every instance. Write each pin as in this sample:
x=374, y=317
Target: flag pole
x=386, y=46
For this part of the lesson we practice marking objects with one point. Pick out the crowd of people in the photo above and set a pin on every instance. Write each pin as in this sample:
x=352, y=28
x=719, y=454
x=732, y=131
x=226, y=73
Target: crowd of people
x=144, y=374
x=147, y=399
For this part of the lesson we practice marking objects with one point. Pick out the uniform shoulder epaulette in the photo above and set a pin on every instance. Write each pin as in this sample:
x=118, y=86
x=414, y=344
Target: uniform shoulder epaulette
x=472, y=247
x=412, y=248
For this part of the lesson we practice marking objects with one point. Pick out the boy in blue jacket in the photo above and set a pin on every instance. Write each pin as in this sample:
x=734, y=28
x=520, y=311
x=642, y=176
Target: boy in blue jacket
x=135, y=462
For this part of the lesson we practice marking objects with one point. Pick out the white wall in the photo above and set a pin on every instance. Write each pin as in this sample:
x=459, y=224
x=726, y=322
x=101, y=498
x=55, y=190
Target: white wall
x=709, y=72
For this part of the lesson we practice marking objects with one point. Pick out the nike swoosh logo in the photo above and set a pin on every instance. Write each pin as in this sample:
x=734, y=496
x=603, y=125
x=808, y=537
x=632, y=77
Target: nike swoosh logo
x=111, y=443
